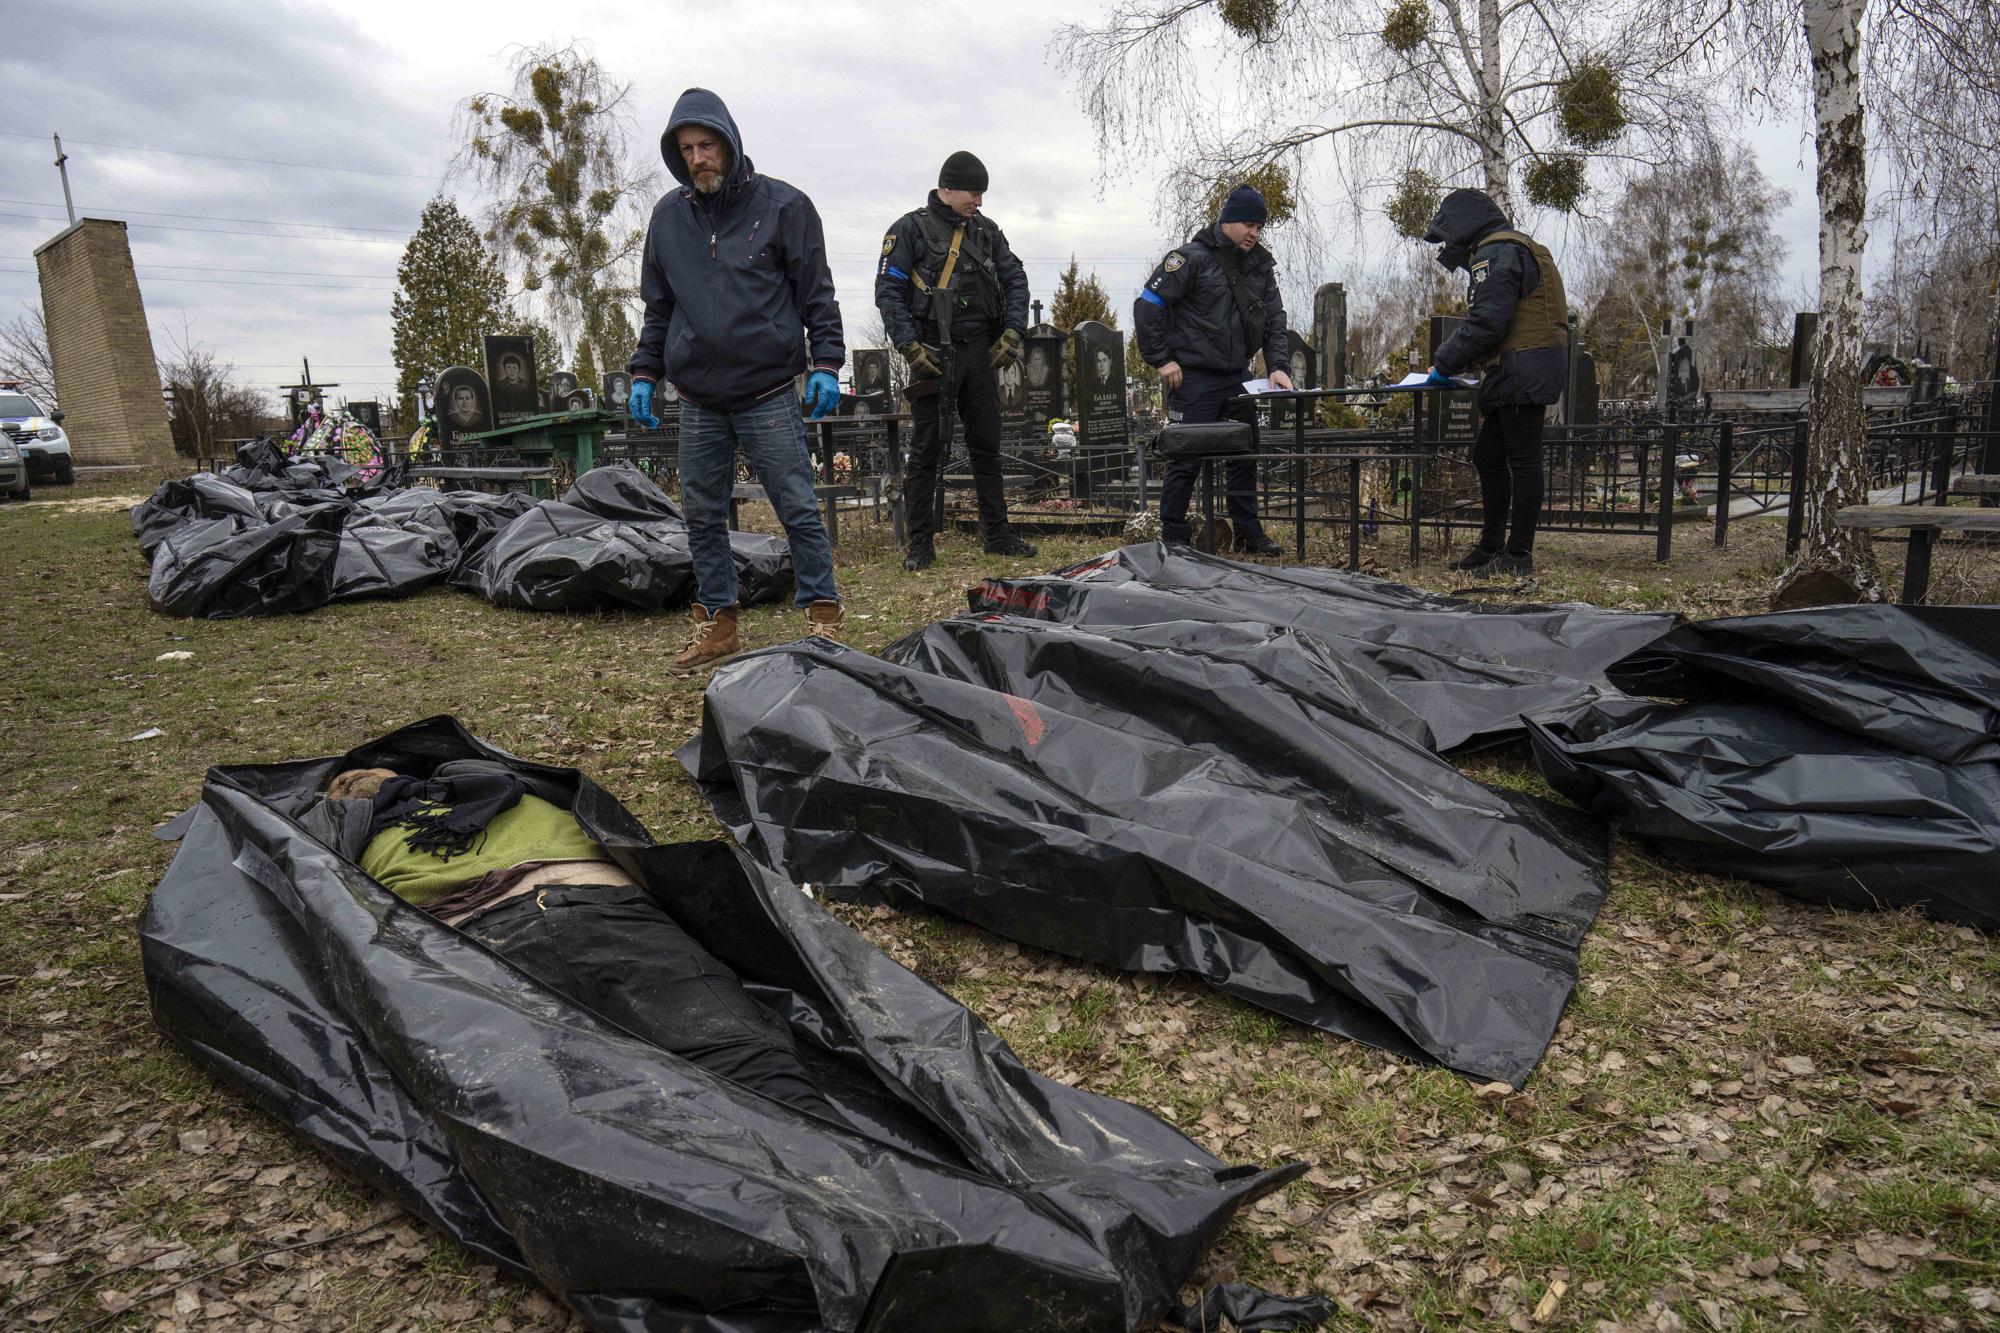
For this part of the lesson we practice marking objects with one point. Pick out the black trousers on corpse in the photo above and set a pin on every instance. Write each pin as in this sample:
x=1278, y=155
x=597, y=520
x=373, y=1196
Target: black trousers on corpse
x=975, y=398
x=612, y=950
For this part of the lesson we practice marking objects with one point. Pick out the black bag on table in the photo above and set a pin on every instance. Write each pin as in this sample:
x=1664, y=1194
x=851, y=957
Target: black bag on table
x=1203, y=439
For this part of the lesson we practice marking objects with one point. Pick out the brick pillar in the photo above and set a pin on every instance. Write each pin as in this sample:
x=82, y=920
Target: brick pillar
x=106, y=378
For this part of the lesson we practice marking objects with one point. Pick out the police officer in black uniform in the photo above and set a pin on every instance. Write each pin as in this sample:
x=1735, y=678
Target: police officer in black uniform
x=1516, y=334
x=954, y=300
x=1208, y=308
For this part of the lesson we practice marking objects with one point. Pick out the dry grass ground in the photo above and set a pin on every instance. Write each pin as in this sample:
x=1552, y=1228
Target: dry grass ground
x=1756, y=1113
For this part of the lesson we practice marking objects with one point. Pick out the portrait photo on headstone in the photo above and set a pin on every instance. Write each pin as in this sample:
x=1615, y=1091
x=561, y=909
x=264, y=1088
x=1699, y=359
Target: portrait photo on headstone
x=463, y=404
x=510, y=376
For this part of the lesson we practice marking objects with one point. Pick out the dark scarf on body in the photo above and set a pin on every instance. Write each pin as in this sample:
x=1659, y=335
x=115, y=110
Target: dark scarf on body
x=446, y=817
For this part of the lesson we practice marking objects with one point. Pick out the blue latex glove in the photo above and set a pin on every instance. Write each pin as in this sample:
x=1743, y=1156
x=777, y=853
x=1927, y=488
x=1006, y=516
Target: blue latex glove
x=822, y=394
x=1438, y=379
x=640, y=404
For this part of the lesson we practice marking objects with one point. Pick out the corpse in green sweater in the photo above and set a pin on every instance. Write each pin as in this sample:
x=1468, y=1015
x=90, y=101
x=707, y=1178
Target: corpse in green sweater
x=532, y=830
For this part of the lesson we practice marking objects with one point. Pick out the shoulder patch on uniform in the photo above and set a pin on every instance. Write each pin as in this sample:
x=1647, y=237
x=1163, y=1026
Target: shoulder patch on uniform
x=1174, y=261
x=1480, y=268
x=888, y=242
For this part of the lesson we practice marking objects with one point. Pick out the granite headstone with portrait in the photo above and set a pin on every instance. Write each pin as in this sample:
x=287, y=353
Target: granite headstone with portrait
x=561, y=385
x=1042, y=378
x=1305, y=375
x=462, y=403
x=617, y=391
x=510, y=376
x=1103, y=434
x=1008, y=386
x=871, y=373
x=1680, y=377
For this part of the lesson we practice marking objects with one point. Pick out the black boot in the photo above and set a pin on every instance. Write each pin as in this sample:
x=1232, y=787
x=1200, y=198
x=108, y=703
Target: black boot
x=1257, y=543
x=1479, y=557
x=920, y=556
x=1507, y=565
x=1009, y=544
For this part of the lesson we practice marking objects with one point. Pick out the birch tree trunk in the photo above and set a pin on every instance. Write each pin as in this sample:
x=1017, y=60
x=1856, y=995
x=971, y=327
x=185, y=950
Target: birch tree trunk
x=1492, y=108
x=1836, y=564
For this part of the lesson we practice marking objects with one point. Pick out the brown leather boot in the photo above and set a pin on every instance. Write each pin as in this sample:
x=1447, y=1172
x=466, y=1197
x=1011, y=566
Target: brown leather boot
x=715, y=640
x=823, y=620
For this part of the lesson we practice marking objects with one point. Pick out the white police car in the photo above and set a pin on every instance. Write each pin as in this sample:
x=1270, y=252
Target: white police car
x=36, y=435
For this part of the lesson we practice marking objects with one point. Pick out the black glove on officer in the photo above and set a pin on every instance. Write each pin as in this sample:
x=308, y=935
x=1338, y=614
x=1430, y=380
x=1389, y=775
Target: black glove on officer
x=922, y=360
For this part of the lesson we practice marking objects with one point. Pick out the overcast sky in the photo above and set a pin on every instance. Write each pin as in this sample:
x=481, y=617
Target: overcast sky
x=271, y=160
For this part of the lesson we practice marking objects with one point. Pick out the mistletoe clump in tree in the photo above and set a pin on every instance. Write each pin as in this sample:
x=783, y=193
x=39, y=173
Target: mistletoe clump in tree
x=449, y=293
x=1464, y=91
x=571, y=210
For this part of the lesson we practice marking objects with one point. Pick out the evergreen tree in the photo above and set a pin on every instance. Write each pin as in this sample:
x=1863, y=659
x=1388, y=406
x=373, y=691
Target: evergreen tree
x=1078, y=298
x=449, y=293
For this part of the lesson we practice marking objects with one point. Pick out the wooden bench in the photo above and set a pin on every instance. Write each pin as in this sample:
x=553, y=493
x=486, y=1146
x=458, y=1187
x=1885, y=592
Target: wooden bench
x=1924, y=522
x=503, y=475
x=828, y=496
x=1974, y=483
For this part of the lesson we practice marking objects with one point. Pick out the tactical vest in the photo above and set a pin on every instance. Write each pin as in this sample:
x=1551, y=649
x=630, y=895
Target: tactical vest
x=1541, y=319
x=956, y=277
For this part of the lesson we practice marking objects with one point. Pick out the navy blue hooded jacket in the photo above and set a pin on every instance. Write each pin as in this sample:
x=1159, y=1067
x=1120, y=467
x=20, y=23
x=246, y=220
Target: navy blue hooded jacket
x=731, y=279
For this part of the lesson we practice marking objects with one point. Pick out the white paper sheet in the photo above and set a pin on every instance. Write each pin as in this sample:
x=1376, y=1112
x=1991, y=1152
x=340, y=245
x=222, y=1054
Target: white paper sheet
x=1257, y=386
x=1419, y=379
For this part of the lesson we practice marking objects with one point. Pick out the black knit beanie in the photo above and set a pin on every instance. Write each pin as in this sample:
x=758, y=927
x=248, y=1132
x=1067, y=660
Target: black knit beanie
x=962, y=171
x=1244, y=204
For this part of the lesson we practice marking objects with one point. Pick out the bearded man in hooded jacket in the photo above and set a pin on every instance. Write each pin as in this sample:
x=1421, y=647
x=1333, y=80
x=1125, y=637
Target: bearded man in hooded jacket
x=736, y=285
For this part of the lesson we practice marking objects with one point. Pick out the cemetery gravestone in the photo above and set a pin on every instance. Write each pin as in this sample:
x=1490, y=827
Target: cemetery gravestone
x=1583, y=379
x=871, y=373
x=1455, y=413
x=464, y=407
x=617, y=391
x=868, y=395
x=561, y=385
x=1680, y=375
x=1804, y=325
x=1042, y=378
x=1009, y=385
x=510, y=376
x=1305, y=375
x=578, y=400
x=369, y=414
x=1103, y=434
x=1329, y=334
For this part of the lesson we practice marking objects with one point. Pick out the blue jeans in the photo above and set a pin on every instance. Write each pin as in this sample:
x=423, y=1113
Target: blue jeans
x=772, y=436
